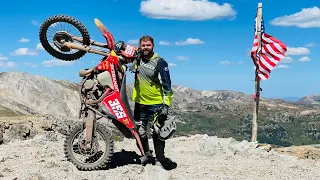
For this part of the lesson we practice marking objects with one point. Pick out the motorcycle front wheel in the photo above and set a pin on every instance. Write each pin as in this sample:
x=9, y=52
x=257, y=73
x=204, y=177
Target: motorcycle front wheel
x=94, y=159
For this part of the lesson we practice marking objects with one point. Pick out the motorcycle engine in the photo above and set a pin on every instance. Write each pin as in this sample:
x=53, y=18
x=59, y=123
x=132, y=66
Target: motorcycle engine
x=92, y=89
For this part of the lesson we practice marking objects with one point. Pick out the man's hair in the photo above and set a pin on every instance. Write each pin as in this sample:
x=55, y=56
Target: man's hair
x=146, y=38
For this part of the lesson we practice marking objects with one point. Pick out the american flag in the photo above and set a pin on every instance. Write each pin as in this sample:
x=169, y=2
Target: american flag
x=271, y=52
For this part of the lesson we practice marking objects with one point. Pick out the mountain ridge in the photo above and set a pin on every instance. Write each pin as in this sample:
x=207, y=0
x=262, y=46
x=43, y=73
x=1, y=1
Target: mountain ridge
x=224, y=113
x=177, y=87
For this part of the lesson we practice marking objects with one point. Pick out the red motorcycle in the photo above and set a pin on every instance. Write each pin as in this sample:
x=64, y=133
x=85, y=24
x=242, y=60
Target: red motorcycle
x=102, y=91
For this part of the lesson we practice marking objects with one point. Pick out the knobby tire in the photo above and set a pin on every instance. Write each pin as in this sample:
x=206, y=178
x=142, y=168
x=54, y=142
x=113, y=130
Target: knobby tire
x=106, y=157
x=68, y=19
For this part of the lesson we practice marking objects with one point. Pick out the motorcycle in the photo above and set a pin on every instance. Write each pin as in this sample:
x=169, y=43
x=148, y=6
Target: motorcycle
x=102, y=91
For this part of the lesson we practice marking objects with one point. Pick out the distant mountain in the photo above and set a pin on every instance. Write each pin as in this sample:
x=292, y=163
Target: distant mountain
x=22, y=93
x=222, y=112
x=291, y=98
x=311, y=99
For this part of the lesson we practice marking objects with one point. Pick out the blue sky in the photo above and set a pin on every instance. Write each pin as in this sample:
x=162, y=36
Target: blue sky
x=215, y=57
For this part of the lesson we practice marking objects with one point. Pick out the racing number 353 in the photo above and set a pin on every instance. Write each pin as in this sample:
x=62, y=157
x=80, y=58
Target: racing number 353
x=117, y=108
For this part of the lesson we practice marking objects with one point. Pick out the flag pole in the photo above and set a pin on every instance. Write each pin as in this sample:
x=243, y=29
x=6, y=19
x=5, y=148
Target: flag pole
x=257, y=81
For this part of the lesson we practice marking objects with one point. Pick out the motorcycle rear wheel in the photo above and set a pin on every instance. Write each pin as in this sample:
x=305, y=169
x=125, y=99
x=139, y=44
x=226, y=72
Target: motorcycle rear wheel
x=54, y=51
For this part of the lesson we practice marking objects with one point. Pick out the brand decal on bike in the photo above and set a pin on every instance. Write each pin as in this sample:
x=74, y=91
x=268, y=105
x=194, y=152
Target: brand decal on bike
x=130, y=50
x=114, y=79
x=103, y=65
x=125, y=121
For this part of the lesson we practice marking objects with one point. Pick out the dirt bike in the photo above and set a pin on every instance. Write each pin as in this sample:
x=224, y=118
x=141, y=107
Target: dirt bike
x=102, y=91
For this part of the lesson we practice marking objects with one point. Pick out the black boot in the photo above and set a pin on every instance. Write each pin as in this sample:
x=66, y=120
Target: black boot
x=148, y=153
x=166, y=163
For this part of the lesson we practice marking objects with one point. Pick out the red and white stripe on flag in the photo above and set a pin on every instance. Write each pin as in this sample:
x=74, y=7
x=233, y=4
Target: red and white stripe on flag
x=271, y=52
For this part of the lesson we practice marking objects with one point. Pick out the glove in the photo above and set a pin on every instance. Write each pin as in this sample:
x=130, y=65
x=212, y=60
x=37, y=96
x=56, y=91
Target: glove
x=163, y=114
x=138, y=53
x=120, y=45
x=163, y=111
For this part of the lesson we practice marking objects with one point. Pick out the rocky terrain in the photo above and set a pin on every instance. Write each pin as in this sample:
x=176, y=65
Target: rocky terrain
x=22, y=93
x=211, y=142
x=197, y=156
x=221, y=113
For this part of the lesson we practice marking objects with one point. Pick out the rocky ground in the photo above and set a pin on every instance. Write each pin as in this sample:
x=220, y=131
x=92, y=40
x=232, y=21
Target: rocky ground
x=32, y=145
x=198, y=157
x=222, y=113
x=311, y=151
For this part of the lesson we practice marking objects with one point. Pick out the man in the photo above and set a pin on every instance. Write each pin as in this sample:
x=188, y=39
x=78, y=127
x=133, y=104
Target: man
x=152, y=90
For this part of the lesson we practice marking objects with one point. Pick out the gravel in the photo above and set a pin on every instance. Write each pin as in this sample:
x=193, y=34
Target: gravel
x=198, y=157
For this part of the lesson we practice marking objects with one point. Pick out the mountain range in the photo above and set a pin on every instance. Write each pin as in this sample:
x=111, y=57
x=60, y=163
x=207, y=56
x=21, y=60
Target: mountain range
x=223, y=113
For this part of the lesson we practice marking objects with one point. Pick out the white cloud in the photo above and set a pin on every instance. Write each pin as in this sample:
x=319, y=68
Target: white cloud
x=30, y=64
x=7, y=65
x=306, y=18
x=164, y=43
x=304, y=59
x=195, y=10
x=310, y=45
x=2, y=58
x=226, y=62
x=182, y=58
x=23, y=40
x=133, y=41
x=56, y=62
x=172, y=64
x=282, y=66
x=189, y=41
x=34, y=23
x=23, y=52
x=39, y=47
x=297, y=51
x=286, y=60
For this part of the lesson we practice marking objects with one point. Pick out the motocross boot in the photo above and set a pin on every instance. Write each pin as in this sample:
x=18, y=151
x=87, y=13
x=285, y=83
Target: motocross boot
x=148, y=153
x=165, y=162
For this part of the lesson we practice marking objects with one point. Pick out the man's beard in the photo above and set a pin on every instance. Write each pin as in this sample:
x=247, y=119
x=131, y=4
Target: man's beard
x=147, y=52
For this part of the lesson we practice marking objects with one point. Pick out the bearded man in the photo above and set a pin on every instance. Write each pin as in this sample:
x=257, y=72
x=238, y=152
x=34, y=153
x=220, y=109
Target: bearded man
x=152, y=92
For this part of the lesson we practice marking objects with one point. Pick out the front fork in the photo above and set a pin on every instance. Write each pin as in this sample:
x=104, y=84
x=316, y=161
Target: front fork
x=88, y=122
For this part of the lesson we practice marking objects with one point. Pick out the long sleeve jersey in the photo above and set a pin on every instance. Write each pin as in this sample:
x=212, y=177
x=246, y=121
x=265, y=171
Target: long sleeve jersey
x=152, y=82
